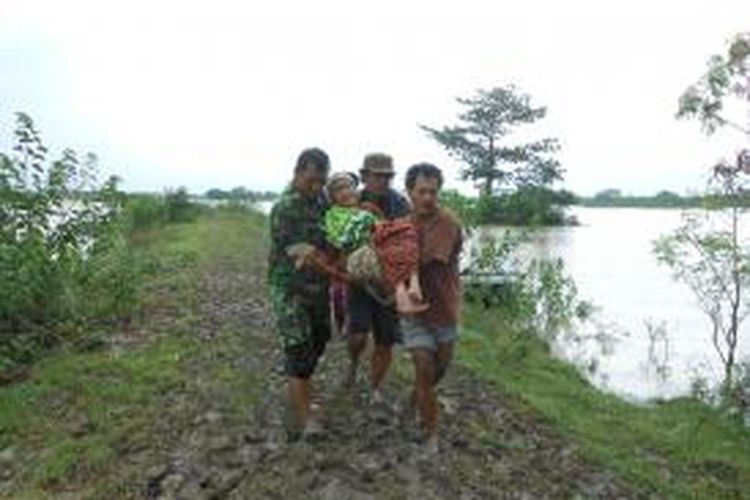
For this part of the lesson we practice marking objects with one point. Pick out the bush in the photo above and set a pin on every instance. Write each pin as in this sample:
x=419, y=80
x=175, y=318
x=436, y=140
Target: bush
x=463, y=206
x=64, y=259
x=537, y=295
x=529, y=206
x=179, y=207
x=146, y=211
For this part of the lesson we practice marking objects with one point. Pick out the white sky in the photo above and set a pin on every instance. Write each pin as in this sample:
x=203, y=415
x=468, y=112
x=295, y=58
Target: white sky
x=219, y=93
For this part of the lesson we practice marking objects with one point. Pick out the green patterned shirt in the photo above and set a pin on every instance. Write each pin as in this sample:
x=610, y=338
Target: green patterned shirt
x=296, y=219
x=348, y=228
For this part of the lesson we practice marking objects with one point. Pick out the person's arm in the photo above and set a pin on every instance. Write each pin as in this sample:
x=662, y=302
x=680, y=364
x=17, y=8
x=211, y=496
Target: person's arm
x=288, y=241
x=326, y=264
x=318, y=254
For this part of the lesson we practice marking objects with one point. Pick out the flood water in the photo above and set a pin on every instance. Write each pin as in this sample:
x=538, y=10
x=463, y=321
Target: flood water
x=610, y=256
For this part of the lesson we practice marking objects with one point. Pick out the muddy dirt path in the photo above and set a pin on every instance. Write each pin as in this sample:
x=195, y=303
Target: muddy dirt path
x=233, y=442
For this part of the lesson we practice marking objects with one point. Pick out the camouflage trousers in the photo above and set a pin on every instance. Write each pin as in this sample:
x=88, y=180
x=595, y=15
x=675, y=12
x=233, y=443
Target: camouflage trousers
x=298, y=318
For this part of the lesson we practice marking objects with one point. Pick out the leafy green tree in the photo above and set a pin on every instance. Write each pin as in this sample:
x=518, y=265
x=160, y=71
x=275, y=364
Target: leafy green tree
x=708, y=255
x=727, y=78
x=482, y=141
x=668, y=196
x=240, y=193
x=179, y=206
x=608, y=194
x=463, y=206
x=216, y=194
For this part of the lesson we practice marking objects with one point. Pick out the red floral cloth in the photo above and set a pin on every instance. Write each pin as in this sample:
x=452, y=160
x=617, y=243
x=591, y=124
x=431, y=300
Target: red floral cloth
x=397, y=246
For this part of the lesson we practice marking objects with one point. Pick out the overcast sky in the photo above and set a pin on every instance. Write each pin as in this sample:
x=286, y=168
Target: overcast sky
x=218, y=93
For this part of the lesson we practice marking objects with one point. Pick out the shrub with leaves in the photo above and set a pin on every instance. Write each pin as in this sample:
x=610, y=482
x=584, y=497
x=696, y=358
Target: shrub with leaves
x=63, y=257
x=536, y=294
x=709, y=252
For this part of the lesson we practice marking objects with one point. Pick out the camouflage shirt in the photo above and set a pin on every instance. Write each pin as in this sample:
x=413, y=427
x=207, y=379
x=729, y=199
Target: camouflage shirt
x=296, y=219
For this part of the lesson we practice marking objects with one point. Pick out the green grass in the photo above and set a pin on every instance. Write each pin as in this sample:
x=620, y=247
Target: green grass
x=71, y=422
x=78, y=408
x=216, y=234
x=680, y=449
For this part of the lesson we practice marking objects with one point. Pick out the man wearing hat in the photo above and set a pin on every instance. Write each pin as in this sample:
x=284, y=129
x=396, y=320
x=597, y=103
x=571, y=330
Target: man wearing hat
x=366, y=314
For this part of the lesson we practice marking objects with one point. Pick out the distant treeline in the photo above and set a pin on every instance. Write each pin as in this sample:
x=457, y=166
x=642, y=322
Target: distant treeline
x=663, y=199
x=240, y=194
x=526, y=206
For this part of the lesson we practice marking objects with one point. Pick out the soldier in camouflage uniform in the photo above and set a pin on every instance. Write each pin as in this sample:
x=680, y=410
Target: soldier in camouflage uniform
x=299, y=293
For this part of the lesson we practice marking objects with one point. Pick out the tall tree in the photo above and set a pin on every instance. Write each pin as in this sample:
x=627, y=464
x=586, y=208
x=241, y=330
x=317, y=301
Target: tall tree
x=481, y=140
x=709, y=255
x=728, y=76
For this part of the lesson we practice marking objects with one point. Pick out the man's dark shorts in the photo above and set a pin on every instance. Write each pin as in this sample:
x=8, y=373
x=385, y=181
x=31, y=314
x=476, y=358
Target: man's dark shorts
x=367, y=314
